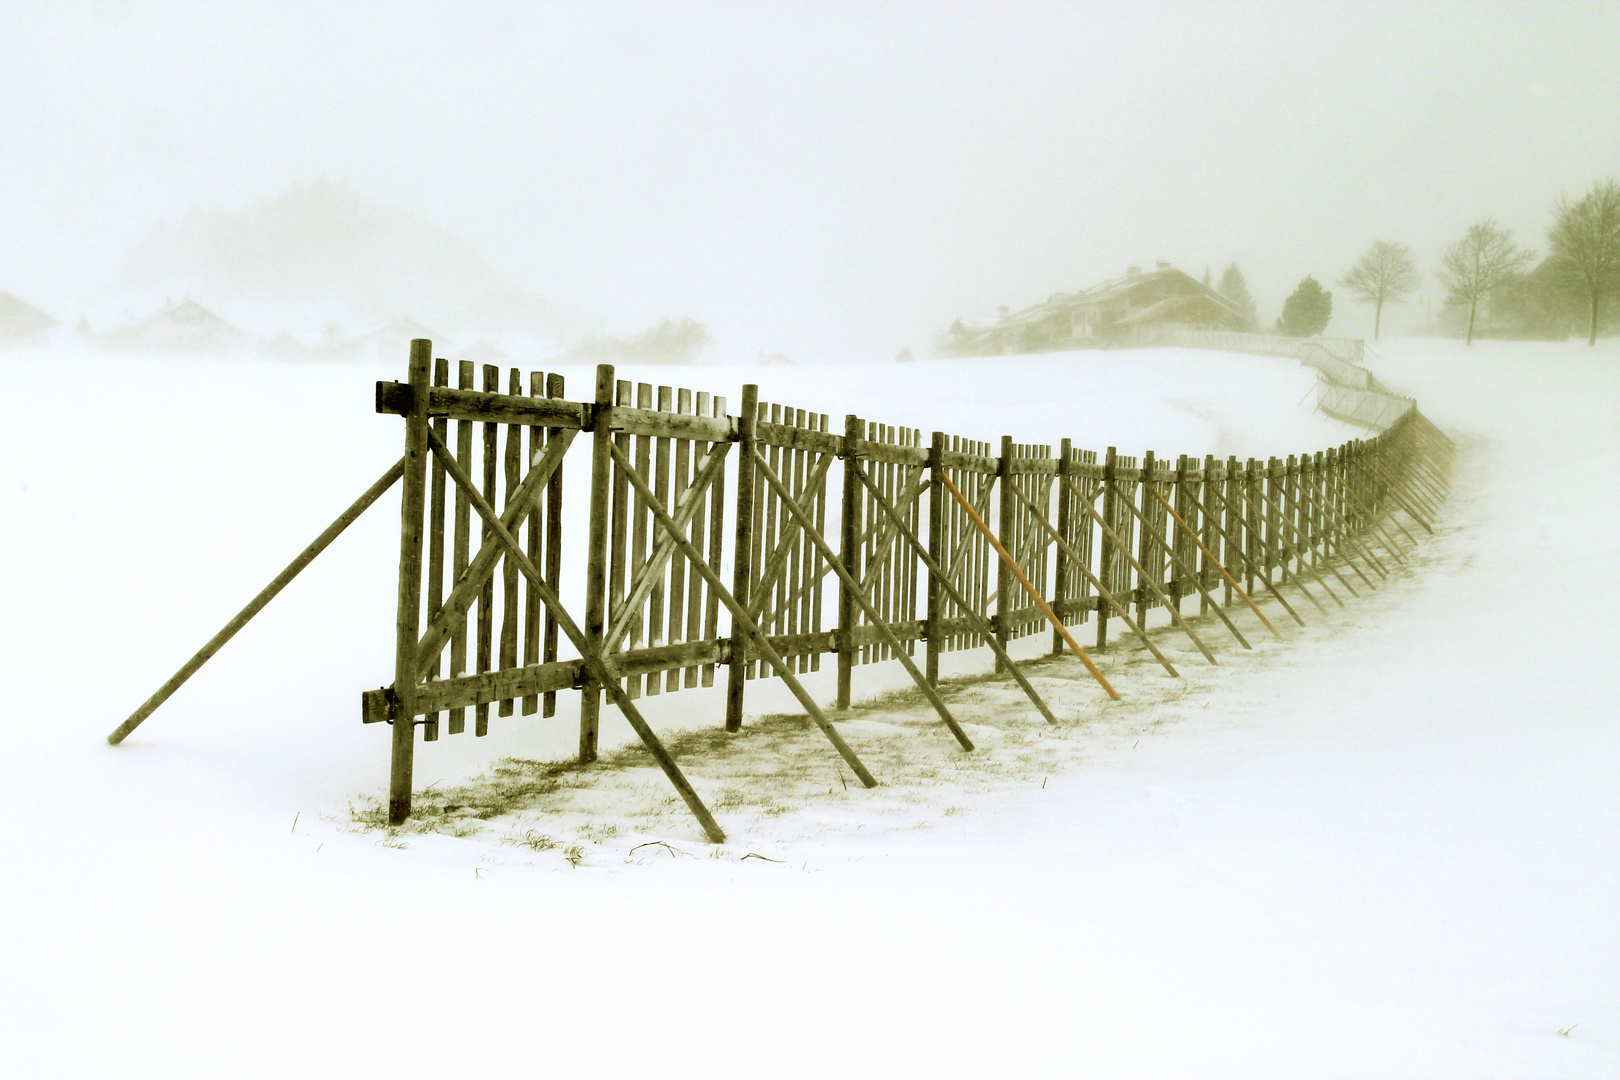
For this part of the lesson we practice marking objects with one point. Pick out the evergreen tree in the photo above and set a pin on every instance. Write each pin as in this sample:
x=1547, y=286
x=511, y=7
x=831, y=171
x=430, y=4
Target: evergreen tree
x=1307, y=311
x=1234, y=288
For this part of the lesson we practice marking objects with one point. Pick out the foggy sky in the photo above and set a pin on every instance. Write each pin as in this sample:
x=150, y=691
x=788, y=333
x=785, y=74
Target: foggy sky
x=821, y=180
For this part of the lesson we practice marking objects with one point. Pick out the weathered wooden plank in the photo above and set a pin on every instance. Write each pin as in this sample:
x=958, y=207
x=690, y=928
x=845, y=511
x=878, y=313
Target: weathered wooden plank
x=935, y=614
x=848, y=580
x=557, y=389
x=742, y=551
x=436, y=537
x=408, y=615
x=589, y=641
x=968, y=461
x=486, y=598
x=531, y=599
x=651, y=569
x=465, y=403
x=512, y=460
x=799, y=438
x=1029, y=464
x=254, y=606
x=717, y=521
x=693, y=630
x=466, y=371
x=934, y=568
x=748, y=626
x=630, y=524
x=601, y=672
x=818, y=567
x=660, y=484
x=874, y=449
x=849, y=554
x=657, y=423
x=769, y=523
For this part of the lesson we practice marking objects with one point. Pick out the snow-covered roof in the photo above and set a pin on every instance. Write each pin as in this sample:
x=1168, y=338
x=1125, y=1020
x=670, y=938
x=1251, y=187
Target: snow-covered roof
x=21, y=319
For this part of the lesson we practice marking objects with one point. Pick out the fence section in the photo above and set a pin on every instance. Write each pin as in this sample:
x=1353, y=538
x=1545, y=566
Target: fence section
x=951, y=545
x=761, y=542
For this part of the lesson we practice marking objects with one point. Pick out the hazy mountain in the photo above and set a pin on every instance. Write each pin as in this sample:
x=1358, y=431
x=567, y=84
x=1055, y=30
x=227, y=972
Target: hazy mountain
x=325, y=250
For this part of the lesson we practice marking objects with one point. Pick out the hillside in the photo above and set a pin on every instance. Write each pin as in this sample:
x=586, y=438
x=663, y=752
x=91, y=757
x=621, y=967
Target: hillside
x=324, y=250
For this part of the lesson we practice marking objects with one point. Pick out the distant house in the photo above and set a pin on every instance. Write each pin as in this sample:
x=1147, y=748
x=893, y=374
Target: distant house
x=389, y=343
x=286, y=347
x=1137, y=309
x=22, y=323
x=183, y=327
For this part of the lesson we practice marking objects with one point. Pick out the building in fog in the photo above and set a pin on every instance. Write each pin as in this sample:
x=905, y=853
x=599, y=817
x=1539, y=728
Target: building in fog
x=22, y=323
x=180, y=327
x=389, y=343
x=1137, y=309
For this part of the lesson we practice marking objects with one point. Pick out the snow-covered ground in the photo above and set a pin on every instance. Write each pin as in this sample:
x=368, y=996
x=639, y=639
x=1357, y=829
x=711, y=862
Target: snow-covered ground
x=1386, y=848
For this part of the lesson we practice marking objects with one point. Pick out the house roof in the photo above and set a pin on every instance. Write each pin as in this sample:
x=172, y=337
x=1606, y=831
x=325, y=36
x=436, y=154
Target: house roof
x=1114, y=288
x=1212, y=302
x=19, y=317
x=400, y=327
x=188, y=311
x=1186, y=308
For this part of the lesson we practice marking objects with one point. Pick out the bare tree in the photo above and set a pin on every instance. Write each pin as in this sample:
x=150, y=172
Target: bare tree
x=1585, y=238
x=1386, y=273
x=1480, y=265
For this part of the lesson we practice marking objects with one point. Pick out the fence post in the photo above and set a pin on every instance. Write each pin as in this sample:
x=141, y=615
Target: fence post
x=1293, y=530
x=849, y=553
x=1324, y=533
x=1145, y=543
x=409, y=613
x=1105, y=550
x=742, y=558
x=1248, y=506
x=936, y=551
x=1006, y=584
x=596, y=555
x=1275, y=482
x=1182, y=500
x=1335, y=500
x=1060, y=591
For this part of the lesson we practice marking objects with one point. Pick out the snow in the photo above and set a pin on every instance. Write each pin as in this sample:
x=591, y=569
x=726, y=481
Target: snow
x=1385, y=847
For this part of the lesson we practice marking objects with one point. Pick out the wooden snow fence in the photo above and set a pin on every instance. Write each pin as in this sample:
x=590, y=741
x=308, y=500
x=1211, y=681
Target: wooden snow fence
x=723, y=547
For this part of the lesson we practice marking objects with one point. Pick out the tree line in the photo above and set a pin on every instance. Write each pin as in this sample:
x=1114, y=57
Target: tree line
x=1485, y=269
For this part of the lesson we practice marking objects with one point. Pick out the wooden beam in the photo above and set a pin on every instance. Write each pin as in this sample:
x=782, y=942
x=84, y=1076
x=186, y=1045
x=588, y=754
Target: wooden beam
x=257, y=604
x=408, y=613
x=641, y=586
x=865, y=602
x=1096, y=583
x=1175, y=616
x=742, y=553
x=981, y=625
x=1290, y=550
x=601, y=670
x=1040, y=601
x=474, y=405
x=1221, y=566
x=740, y=618
x=1248, y=559
x=438, y=631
